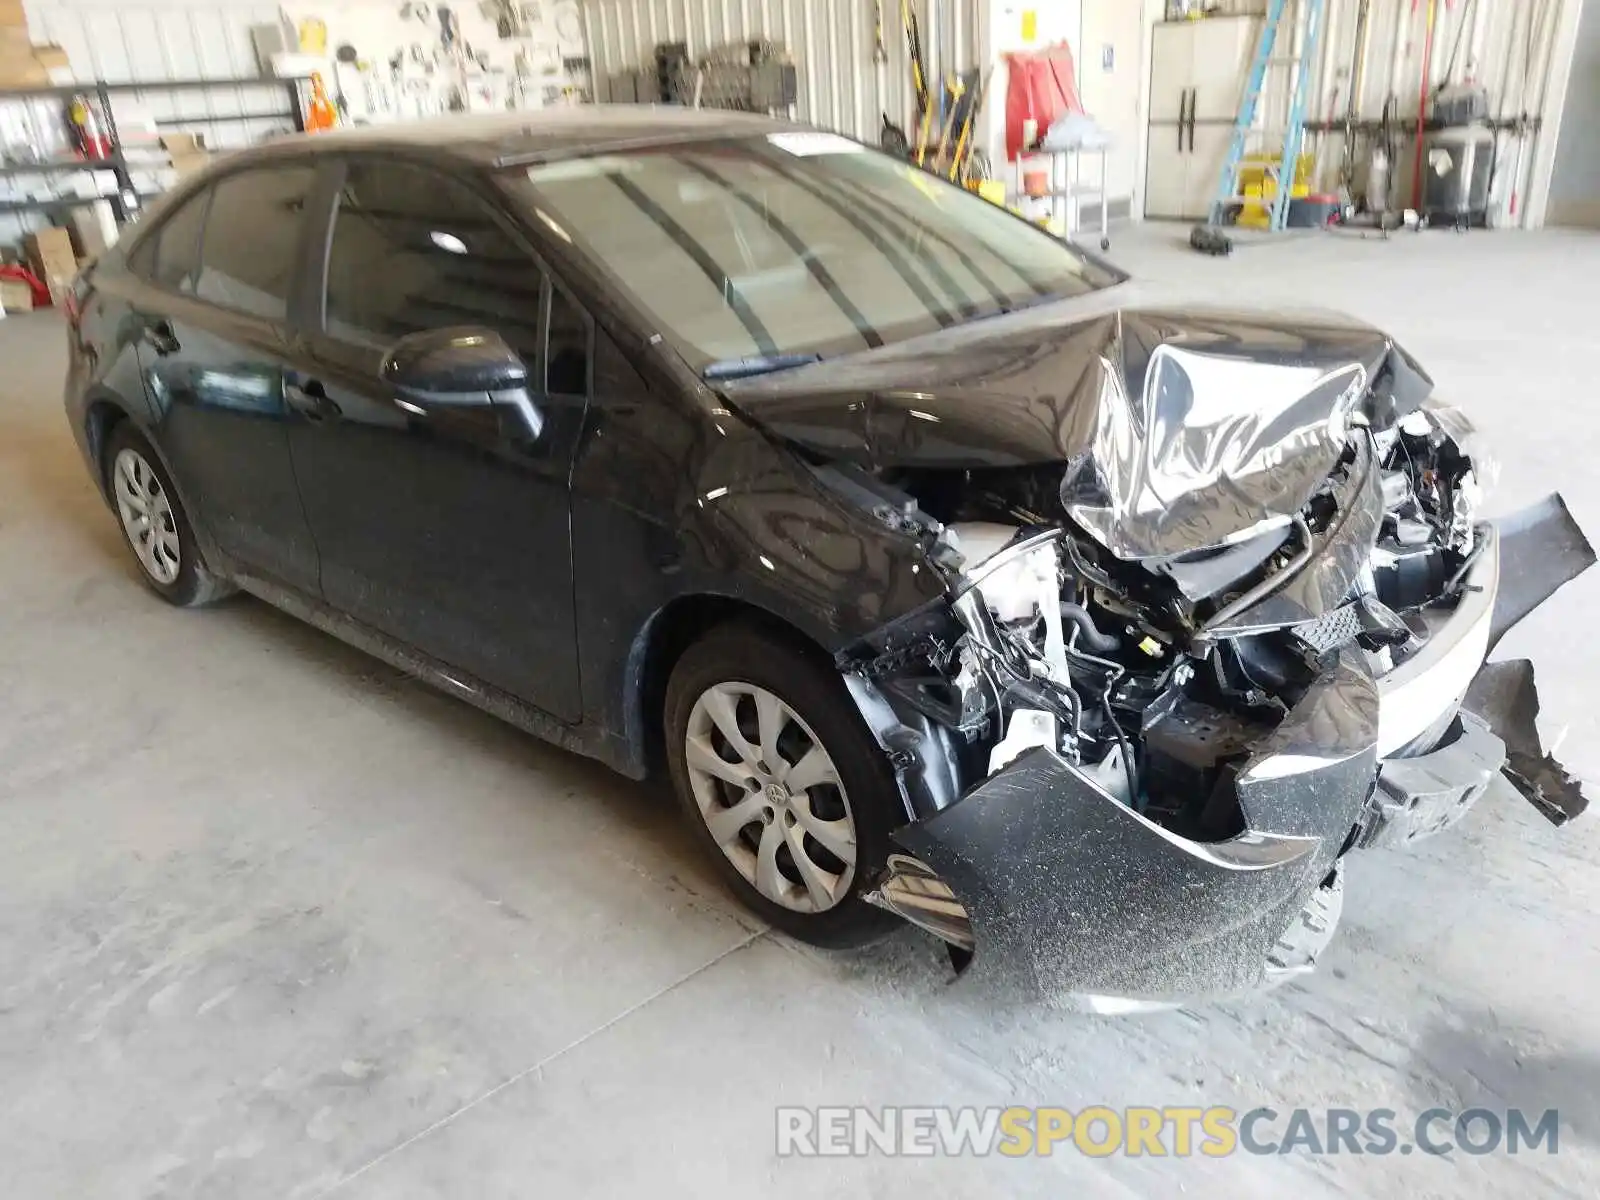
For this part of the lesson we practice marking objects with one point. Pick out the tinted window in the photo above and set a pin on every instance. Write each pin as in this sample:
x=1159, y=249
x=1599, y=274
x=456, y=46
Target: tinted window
x=170, y=256
x=567, y=367
x=252, y=238
x=413, y=250
x=796, y=243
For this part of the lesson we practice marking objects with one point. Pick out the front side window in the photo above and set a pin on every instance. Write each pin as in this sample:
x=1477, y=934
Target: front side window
x=413, y=251
x=252, y=240
x=795, y=244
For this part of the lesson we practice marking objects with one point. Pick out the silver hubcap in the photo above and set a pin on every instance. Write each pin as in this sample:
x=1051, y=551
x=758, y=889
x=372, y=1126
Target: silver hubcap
x=146, y=516
x=771, y=797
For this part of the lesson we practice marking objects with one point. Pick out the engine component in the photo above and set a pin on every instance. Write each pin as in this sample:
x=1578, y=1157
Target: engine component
x=1028, y=727
x=1078, y=617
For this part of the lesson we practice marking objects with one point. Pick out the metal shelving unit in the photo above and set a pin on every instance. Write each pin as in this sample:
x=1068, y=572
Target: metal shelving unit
x=1065, y=196
x=127, y=199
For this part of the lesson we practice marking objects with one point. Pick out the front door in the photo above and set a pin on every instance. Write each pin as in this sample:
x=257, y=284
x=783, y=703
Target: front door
x=214, y=346
x=445, y=528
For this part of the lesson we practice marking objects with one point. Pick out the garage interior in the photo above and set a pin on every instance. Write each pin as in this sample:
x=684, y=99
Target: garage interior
x=276, y=920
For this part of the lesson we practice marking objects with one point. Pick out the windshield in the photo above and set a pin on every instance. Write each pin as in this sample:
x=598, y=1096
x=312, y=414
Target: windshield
x=797, y=244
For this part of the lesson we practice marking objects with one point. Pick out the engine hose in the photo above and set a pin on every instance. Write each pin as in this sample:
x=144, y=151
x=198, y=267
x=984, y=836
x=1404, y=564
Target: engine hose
x=1100, y=643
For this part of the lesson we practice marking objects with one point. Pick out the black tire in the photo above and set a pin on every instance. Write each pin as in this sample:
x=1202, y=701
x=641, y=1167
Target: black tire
x=747, y=654
x=195, y=584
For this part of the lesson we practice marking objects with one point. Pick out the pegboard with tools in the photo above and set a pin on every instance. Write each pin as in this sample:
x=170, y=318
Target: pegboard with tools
x=389, y=60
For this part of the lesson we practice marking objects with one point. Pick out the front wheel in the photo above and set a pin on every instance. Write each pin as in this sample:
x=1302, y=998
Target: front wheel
x=783, y=783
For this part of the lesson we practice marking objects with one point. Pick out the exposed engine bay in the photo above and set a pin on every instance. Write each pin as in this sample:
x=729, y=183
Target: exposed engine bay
x=1216, y=598
x=1184, y=687
x=1157, y=677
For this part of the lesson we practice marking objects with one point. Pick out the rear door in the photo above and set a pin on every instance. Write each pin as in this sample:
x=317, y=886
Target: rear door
x=214, y=345
x=444, y=527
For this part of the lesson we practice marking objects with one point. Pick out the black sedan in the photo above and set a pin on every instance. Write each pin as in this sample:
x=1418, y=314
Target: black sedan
x=951, y=578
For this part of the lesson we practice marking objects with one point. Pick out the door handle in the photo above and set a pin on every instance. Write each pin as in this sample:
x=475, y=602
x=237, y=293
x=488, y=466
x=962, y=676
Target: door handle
x=310, y=400
x=1183, y=115
x=1194, y=111
x=160, y=337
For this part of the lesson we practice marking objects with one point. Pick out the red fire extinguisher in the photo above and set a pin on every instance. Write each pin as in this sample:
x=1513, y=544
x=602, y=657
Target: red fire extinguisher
x=91, y=141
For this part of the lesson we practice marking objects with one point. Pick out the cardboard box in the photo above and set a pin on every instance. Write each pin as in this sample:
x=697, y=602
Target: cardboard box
x=51, y=256
x=15, y=296
x=11, y=14
x=15, y=44
x=187, y=151
x=22, y=73
x=55, y=62
x=93, y=228
x=24, y=65
x=182, y=143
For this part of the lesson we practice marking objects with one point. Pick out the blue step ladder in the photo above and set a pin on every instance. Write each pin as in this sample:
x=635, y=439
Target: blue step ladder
x=1275, y=49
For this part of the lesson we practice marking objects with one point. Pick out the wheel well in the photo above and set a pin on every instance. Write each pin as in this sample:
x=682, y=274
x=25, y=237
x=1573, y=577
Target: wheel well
x=675, y=628
x=102, y=417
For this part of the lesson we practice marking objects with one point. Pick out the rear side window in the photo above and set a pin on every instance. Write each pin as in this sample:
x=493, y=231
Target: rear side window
x=413, y=250
x=252, y=240
x=170, y=256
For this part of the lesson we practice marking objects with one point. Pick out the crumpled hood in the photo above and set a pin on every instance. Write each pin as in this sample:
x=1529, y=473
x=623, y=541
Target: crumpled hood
x=1178, y=427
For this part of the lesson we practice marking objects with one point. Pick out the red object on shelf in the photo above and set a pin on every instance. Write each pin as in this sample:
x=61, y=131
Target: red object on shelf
x=41, y=294
x=1042, y=87
x=92, y=141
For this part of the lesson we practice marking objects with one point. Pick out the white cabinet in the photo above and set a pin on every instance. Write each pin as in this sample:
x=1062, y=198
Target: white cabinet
x=1198, y=71
x=1222, y=48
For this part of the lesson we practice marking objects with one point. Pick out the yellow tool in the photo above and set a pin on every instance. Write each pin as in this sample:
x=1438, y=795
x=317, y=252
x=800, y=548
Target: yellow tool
x=961, y=162
x=919, y=79
x=954, y=90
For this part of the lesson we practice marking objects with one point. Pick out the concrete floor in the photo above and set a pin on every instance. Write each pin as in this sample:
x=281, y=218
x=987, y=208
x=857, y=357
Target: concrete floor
x=275, y=921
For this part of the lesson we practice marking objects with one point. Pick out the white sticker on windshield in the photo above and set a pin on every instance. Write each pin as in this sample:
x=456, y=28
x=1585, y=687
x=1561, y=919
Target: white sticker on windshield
x=807, y=144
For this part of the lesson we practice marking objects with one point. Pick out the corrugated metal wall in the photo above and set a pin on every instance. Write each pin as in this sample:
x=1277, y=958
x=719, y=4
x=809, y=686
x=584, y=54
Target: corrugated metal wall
x=135, y=43
x=202, y=39
x=132, y=42
x=832, y=42
x=1509, y=46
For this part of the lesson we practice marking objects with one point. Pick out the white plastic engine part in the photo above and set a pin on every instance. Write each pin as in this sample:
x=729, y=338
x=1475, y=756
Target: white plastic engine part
x=978, y=541
x=1029, y=727
x=1011, y=592
x=1026, y=588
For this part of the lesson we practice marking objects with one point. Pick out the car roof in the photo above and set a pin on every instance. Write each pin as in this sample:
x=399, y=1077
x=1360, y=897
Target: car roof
x=504, y=139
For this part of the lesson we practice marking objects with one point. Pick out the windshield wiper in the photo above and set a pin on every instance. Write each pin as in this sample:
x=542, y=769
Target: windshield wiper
x=757, y=364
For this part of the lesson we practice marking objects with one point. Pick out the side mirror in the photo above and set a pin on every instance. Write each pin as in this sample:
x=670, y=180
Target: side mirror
x=461, y=367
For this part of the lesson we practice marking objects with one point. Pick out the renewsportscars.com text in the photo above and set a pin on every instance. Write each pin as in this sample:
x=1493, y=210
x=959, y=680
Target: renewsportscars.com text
x=1099, y=1131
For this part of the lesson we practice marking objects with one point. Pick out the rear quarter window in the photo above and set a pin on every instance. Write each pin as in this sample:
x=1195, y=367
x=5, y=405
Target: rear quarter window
x=169, y=256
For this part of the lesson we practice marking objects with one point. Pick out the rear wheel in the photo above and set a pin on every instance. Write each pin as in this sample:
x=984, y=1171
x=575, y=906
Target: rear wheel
x=783, y=783
x=154, y=524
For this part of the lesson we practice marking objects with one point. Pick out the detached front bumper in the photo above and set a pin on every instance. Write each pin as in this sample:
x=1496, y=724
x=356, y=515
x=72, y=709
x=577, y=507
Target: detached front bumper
x=1072, y=893
x=1075, y=896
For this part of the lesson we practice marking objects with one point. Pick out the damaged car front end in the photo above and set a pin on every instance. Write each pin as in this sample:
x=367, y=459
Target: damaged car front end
x=1217, y=599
